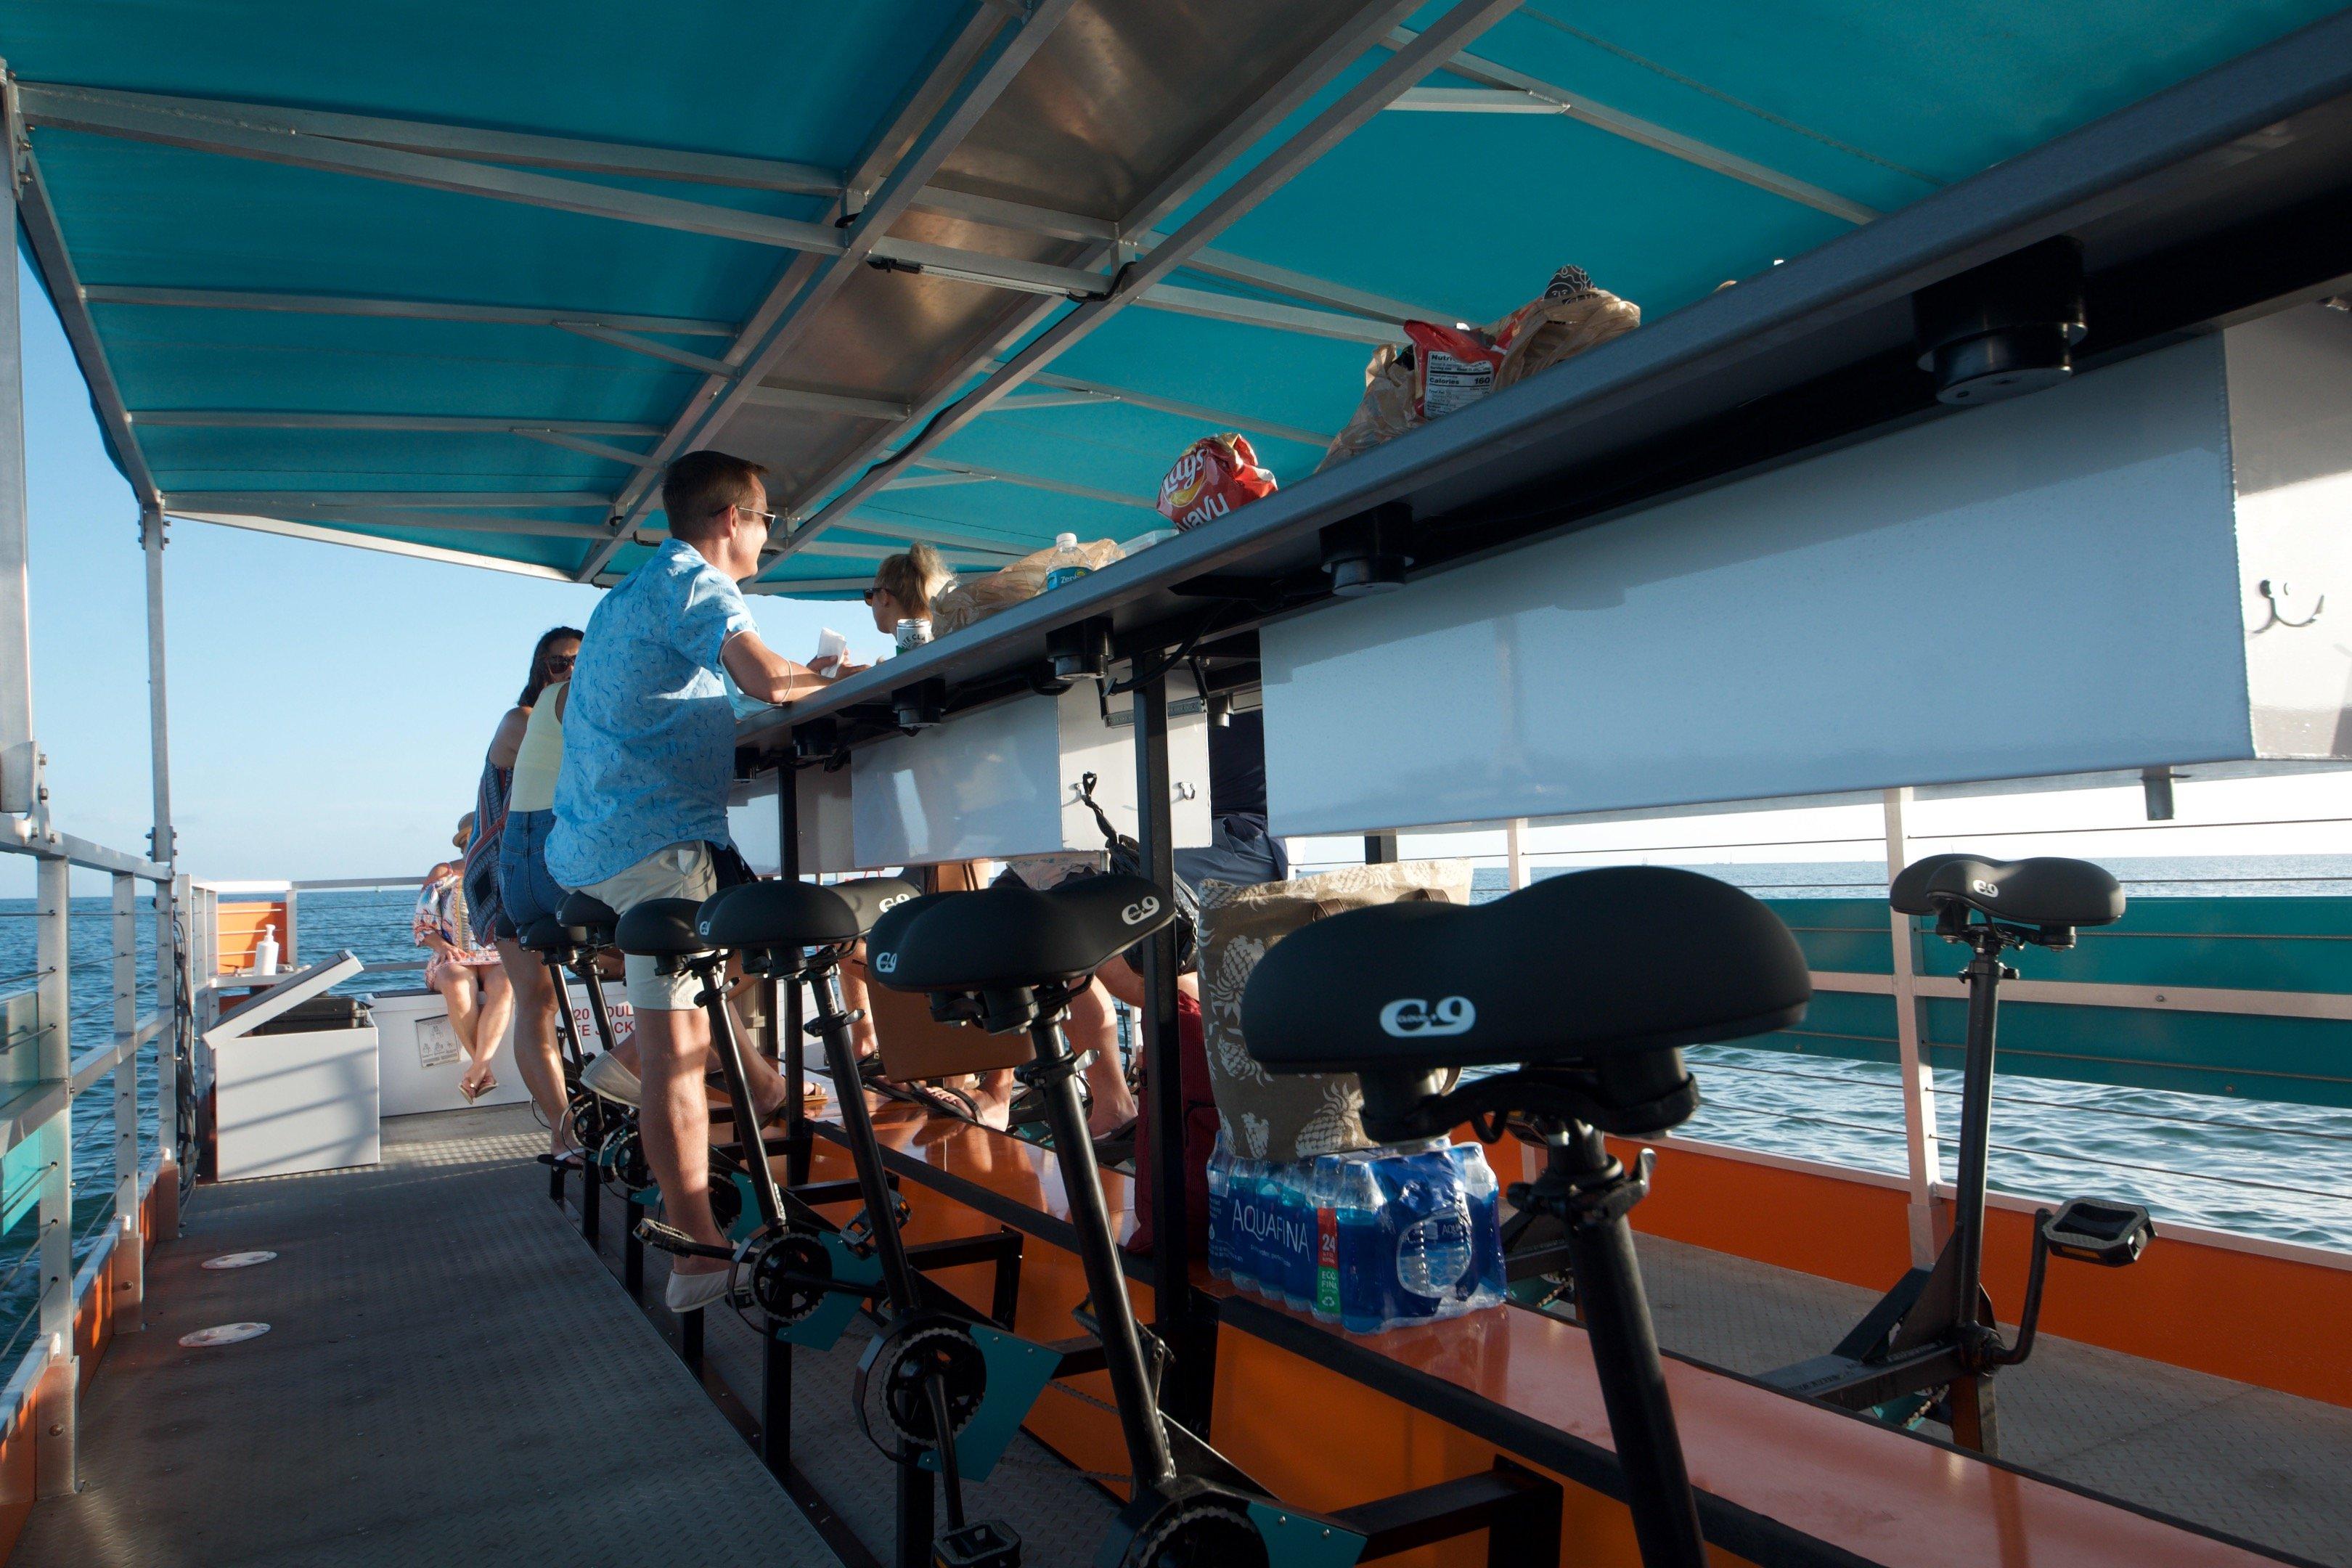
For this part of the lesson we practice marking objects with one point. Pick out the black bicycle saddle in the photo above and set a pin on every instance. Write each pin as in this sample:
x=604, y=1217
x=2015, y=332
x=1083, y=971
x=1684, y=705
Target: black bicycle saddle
x=1007, y=937
x=2043, y=891
x=661, y=927
x=1573, y=971
x=589, y=919
x=759, y=916
x=882, y=937
x=545, y=934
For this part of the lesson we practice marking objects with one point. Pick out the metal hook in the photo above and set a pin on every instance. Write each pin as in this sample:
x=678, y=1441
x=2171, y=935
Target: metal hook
x=2284, y=590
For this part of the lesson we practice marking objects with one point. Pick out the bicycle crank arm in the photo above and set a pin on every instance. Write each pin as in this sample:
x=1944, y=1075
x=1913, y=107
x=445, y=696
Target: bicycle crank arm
x=671, y=1239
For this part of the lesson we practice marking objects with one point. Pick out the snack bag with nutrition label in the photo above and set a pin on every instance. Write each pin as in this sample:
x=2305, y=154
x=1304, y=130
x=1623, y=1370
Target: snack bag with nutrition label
x=1216, y=474
x=1445, y=369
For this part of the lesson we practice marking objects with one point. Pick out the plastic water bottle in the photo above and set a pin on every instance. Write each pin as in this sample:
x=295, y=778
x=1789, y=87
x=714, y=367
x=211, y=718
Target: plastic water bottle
x=1323, y=1191
x=1221, y=1207
x=1430, y=1221
x=1067, y=565
x=1486, y=1282
x=1366, y=1265
x=1272, y=1258
x=1242, y=1217
x=1299, y=1235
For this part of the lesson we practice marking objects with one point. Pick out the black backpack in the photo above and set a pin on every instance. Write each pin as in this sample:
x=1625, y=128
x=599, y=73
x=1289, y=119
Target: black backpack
x=1126, y=859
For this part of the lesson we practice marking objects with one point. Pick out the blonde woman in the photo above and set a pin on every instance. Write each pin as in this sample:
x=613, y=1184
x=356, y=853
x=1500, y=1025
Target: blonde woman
x=907, y=585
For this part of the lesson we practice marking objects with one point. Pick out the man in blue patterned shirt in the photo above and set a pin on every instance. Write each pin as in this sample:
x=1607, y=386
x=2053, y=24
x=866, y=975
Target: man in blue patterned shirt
x=641, y=801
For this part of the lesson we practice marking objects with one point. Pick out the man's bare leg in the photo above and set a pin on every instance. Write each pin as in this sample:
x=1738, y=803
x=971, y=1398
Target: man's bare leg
x=859, y=1003
x=1092, y=1027
x=674, y=1120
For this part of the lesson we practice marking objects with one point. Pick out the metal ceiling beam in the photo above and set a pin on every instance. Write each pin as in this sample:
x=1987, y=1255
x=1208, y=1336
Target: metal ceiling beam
x=1222, y=418
x=453, y=522
x=812, y=400
x=457, y=500
x=1406, y=65
x=576, y=154
x=1215, y=307
x=1672, y=143
x=1314, y=290
x=369, y=541
x=398, y=310
x=963, y=85
x=1276, y=101
x=262, y=133
x=40, y=221
x=458, y=424
x=931, y=533
x=1034, y=483
x=578, y=444
x=648, y=347
x=1472, y=100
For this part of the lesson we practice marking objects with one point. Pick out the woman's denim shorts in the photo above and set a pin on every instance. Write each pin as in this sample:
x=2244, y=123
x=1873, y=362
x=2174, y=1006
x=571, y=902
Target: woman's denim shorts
x=525, y=888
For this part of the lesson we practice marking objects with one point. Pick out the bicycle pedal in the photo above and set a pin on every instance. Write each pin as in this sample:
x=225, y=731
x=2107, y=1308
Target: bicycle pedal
x=2087, y=1230
x=670, y=1239
x=984, y=1544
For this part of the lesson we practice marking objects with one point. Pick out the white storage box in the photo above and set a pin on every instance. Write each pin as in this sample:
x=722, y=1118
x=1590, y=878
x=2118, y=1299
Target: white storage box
x=304, y=1099
x=420, y=1057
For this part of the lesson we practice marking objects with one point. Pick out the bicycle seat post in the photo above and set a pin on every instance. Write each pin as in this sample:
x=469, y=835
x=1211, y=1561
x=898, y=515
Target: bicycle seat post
x=1590, y=1192
x=832, y=1027
x=1055, y=1074
x=710, y=968
x=1983, y=975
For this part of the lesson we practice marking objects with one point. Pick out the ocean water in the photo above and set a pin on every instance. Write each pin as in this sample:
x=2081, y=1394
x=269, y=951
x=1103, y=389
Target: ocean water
x=2259, y=1168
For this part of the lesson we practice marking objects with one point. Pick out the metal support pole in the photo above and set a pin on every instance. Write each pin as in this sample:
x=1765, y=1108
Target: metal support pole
x=19, y=757
x=1922, y=1158
x=791, y=1041
x=1379, y=849
x=1176, y=1315
x=55, y=1457
x=1515, y=852
x=130, y=1253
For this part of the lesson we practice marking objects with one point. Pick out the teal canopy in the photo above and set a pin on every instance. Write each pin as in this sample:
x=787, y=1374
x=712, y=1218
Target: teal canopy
x=460, y=279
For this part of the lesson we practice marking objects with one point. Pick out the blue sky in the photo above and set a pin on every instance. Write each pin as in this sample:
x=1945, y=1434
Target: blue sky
x=329, y=706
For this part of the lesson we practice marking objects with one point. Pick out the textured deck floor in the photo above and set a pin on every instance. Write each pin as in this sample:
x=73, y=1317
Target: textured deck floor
x=450, y=1378
x=2265, y=1466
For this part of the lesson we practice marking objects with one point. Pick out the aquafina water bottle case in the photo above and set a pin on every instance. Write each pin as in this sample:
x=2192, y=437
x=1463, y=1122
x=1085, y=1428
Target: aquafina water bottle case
x=1370, y=1240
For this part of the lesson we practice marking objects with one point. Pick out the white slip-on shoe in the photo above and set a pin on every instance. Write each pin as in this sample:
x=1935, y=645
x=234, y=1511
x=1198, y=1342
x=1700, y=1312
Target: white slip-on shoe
x=607, y=1077
x=692, y=1292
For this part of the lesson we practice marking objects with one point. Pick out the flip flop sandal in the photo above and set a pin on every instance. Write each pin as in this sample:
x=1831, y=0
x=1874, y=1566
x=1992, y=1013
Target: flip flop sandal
x=937, y=1099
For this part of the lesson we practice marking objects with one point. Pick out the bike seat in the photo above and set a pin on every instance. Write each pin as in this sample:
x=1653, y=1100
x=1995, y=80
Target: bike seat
x=589, y=920
x=661, y=927
x=2043, y=891
x=1573, y=971
x=871, y=898
x=882, y=937
x=545, y=934
x=1008, y=937
x=760, y=916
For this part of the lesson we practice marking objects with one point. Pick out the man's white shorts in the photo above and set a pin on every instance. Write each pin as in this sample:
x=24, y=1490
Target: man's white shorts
x=678, y=871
